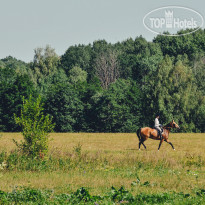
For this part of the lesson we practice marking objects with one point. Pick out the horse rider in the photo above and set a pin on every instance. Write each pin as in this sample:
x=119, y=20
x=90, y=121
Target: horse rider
x=158, y=126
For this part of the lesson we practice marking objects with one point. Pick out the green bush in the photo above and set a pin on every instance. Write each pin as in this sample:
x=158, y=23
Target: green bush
x=35, y=128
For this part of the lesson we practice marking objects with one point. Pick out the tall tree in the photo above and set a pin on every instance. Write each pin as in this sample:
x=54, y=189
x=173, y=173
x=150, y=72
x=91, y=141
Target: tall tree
x=45, y=64
x=139, y=59
x=190, y=44
x=78, y=55
x=119, y=108
x=12, y=90
x=18, y=66
x=174, y=93
x=64, y=105
x=77, y=76
x=107, y=67
x=198, y=68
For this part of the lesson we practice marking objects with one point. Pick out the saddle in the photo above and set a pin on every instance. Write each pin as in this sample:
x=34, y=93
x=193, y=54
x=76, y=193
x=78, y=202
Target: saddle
x=158, y=131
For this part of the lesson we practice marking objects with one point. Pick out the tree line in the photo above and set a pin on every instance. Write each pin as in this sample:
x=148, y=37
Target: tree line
x=104, y=87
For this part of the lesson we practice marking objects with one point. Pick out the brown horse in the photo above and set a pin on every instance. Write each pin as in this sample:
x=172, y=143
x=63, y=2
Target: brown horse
x=147, y=132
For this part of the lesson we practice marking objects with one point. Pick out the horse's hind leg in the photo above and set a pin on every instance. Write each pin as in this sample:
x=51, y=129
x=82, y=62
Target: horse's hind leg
x=144, y=145
x=160, y=144
x=142, y=142
x=170, y=143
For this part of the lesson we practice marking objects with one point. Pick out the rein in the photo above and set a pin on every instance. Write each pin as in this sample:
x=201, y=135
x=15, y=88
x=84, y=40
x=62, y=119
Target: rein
x=166, y=127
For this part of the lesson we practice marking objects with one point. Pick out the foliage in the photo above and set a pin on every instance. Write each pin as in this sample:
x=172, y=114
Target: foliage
x=64, y=105
x=174, y=91
x=35, y=128
x=12, y=89
x=79, y=56
x=77, y=76
x=82, y=196
x=169, y=72
x=44, y=66
x=119, y=108
x=12, y=63
x=139, y=59
x=185, y=44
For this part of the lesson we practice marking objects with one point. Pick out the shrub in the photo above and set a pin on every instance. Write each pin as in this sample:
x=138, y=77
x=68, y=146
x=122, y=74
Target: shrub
x=35, y=128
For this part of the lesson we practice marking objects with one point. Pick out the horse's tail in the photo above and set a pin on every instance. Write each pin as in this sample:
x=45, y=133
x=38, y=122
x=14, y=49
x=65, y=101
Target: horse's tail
x=138, y=134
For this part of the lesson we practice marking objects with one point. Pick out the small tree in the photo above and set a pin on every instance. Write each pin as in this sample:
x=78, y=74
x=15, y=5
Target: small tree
x=35, y=128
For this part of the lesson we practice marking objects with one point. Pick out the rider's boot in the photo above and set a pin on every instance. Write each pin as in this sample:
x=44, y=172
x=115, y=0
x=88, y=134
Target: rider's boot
x=160, y=134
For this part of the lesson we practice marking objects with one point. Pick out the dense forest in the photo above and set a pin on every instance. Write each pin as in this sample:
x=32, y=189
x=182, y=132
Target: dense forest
x=104, y=87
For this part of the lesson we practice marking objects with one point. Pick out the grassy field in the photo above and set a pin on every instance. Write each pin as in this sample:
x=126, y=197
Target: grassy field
x=99, y=161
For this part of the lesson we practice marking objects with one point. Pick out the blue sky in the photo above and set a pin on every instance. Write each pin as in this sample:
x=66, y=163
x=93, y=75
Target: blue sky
x=28, y=24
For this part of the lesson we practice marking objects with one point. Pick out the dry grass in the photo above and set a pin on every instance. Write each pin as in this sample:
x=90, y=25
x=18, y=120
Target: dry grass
x=114, y=160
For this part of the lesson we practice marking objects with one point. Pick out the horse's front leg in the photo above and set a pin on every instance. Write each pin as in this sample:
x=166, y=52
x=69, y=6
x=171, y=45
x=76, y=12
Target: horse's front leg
x=160, y=144
x=170, y=143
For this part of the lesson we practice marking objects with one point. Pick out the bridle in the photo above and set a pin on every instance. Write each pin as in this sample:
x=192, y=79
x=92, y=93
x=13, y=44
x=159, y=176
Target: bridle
x=169, y=128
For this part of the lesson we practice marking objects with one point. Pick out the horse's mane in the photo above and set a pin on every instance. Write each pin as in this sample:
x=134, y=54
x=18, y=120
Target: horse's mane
x=167, y=126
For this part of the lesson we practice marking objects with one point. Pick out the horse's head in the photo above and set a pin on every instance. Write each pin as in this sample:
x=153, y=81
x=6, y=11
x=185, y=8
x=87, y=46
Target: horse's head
x=174, y=124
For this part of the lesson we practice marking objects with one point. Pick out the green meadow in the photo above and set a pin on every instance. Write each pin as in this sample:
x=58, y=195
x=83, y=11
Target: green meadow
x=105, y=168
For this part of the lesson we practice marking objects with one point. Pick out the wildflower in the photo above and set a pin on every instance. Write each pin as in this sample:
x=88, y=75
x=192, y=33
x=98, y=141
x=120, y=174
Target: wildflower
x=3, y=165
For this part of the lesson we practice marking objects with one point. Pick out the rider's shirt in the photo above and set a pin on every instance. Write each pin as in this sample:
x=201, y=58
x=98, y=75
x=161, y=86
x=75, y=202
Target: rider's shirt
x=156, y=122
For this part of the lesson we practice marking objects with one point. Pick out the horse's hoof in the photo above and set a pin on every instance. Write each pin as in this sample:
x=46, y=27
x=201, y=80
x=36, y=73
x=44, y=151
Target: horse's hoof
x=139, y=149
x=174, y=149
x=158, y=150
